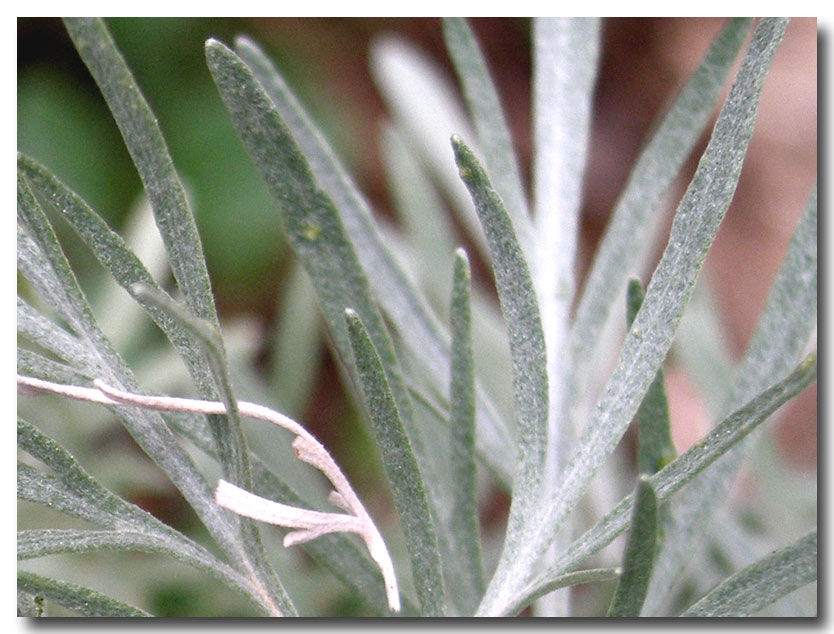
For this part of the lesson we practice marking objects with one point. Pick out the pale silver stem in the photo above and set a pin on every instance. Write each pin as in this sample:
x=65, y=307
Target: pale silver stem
x=312, y=524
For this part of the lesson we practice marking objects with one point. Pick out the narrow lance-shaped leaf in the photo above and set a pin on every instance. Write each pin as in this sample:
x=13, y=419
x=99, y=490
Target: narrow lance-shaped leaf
x=50, y=541
x=352, y=224
x=790, y=314
x=74, y=492
x=85, y=601
x=313, y=226
x=228, y=432
x=31, y=363
x=401, y=468
x=422, y=102
x=493, y=133
x=144, y=141
x=56, y=282
x=695, y=225
x=656, y=167
x=399, y=298
x=309, y=216
x=782, y=333
x=146, y=146
x=196, y=339
x=36, y=328
x=465, y=527
x=41, y=260
x=681, y=471
x=579, y=577
x=639, y=555
x=111, y=251
x=655, y=448
x=527, y=347
x=762, y=583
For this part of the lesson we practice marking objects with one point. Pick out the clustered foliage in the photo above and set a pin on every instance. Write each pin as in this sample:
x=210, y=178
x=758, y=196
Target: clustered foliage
x=441, y=427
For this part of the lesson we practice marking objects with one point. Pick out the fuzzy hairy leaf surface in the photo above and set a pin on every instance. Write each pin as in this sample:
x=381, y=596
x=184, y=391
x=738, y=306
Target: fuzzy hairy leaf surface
x=681, y=471
x=639, y=555
x=402, y=469
x=85, y=601
x=782, y=334
x=427, y=339
x=762, y=583
x=527, y=346
x=693, y=230
x=465, y=524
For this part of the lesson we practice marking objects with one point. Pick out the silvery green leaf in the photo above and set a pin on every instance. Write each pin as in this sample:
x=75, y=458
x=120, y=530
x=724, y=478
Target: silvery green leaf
x=527, y=347
x=41, y=260
x=426, y=229
x=656, y=167
x=428, y=340
x=693, y=230
x=402, y=469
x=565, y=53
x=112, y=252
x=197, y=340
x=639, y=554
x=761, y=583
x=465, y=528
x=144, y=141
x=85, y=601
x=789, y=317
x=229, y=439
x=311, y=220
x=50, y=541
x=146, y=146
x=56, y=282
x=681, y=471
x=31, y=363
x=72, y=491
x=737, y=544
x=493, y=133
x=565, y=65
x=655, y=448
x=785, y=326
x=579, y=577
x=36, y=328
x=423, y=104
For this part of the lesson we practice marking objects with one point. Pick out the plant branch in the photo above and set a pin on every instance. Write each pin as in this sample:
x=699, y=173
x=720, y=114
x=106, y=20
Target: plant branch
x=312, y=524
